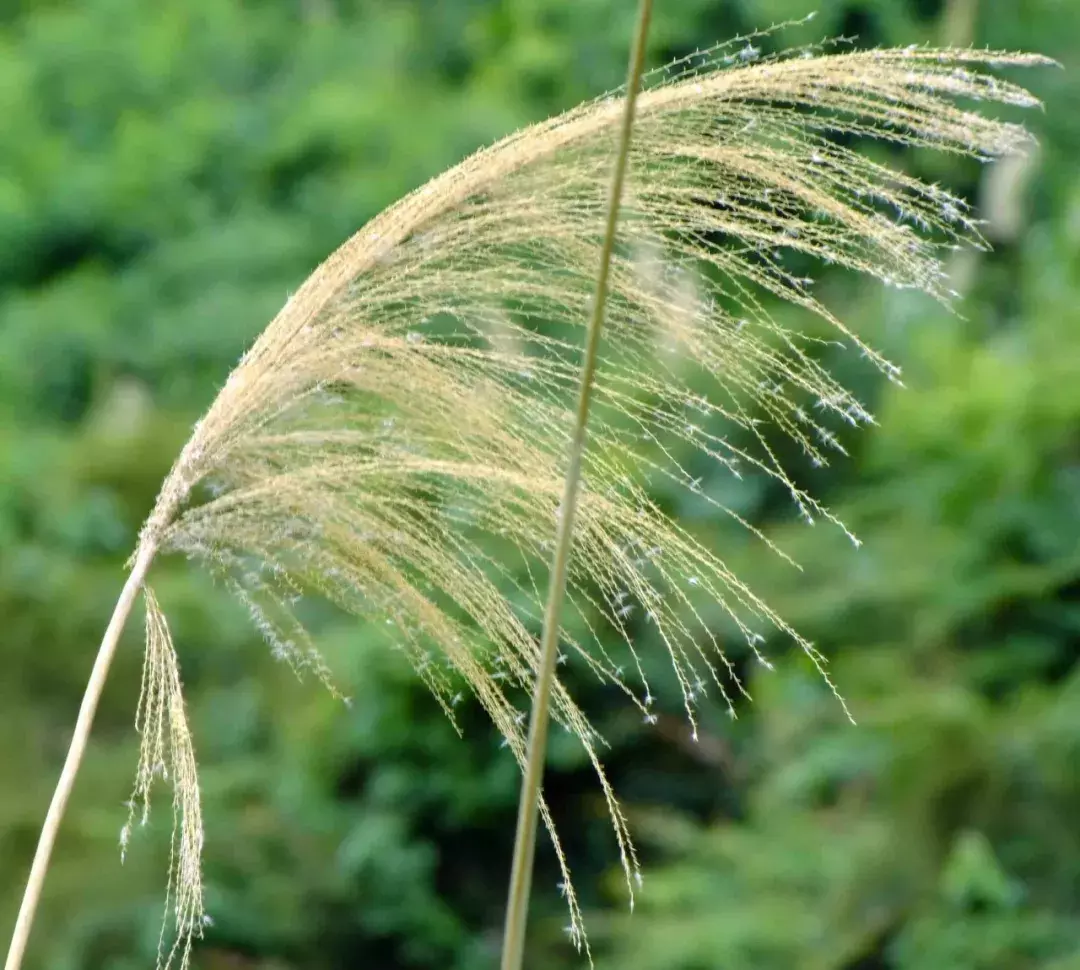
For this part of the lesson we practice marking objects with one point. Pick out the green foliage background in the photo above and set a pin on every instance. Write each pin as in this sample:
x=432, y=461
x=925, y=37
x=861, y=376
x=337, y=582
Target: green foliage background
x=170, y=170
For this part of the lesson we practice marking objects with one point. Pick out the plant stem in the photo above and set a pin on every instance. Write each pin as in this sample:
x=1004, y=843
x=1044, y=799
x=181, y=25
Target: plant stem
x=92, y=695
x=529, y=804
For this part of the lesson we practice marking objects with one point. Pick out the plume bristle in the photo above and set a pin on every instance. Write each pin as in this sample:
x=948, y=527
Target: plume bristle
x=167, y=751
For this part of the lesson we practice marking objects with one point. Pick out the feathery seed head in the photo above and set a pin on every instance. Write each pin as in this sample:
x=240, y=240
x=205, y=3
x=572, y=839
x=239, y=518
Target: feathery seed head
x=408, y=410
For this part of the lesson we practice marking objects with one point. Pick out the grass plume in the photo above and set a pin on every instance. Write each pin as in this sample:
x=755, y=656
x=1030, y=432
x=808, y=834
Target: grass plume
x=409, y=409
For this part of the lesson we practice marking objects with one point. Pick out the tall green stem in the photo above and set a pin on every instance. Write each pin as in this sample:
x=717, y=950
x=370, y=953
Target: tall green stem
x=529, y=804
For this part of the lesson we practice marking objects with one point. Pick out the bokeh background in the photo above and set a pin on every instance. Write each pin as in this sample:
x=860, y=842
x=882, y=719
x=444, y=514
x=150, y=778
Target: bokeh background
x=170, y=170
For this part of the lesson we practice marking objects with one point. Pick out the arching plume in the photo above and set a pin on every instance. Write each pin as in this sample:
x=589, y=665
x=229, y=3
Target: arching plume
x=406, y=413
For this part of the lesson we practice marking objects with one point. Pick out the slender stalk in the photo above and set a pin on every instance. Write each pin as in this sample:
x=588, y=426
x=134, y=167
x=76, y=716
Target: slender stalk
x=77, y=749
x=529, y=804
x=958, y=22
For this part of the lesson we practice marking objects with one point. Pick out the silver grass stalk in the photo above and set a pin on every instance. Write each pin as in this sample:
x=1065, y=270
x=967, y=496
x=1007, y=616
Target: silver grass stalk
x=517, y=905
x=410, y=407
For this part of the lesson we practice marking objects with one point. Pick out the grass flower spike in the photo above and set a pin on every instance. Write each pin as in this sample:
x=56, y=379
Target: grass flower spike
x=395, y=440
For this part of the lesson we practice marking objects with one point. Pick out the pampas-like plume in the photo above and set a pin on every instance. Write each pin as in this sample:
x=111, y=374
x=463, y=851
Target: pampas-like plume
x=394, y=440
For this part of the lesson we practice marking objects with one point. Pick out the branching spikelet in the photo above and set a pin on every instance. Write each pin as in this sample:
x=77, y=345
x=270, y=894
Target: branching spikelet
x=407, y=412
x=166, y=751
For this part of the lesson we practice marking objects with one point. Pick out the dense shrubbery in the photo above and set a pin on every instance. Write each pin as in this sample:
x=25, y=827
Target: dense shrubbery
x=168, y=173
